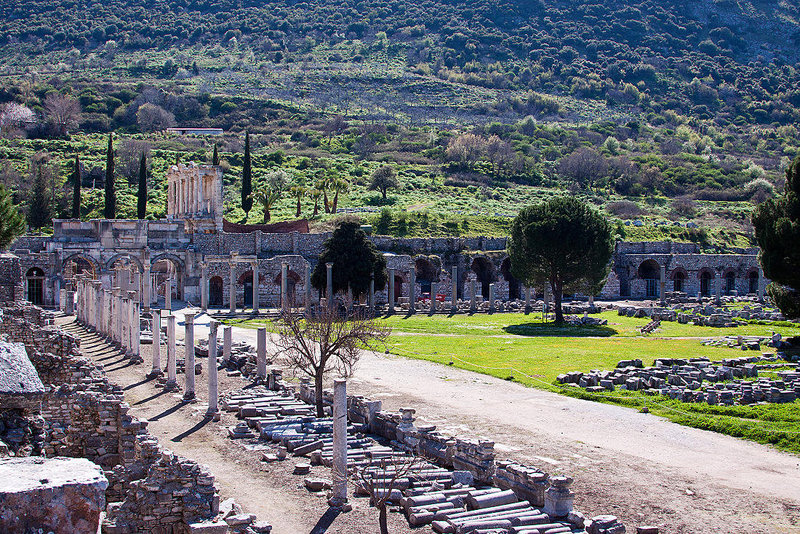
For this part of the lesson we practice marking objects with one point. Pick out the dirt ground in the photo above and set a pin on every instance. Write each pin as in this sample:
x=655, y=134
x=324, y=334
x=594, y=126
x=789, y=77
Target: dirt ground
x=642, y=468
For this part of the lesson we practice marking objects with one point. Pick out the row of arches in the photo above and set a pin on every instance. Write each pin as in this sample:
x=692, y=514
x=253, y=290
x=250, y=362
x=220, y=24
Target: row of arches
x=650, y=271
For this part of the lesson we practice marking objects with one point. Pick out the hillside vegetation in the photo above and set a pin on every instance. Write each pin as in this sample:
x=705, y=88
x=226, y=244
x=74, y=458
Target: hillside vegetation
x=665, y=112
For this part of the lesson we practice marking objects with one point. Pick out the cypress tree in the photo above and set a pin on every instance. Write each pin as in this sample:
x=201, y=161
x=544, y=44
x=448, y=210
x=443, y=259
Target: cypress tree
x=76, y=189
x=141, y=195
x=215, y=157
x=247, y=178
x=39, y=209
x=11, y=222
x=110, y=208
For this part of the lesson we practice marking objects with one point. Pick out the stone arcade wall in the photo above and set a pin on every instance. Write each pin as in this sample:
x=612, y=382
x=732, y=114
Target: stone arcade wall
x=151, y=489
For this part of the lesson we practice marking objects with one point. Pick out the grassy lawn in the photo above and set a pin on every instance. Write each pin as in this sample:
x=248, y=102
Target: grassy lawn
x=529, y=351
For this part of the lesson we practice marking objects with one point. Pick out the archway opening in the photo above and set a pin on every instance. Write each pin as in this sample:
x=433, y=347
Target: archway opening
x=246, y=282
x=649, y=271
x=730, y=282
x=34, y=279
x=485, y=271
x=215, y=291
x=705, y=283
x=513, y=283
x=398, y=287
x=74, y=266
x=752, y=282
x=426, y=273
x=679, y=281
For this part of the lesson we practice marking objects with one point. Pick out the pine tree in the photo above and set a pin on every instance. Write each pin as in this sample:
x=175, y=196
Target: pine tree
x=215, y=157
x=247, y=178
x=39, y=209
x=110, y=208
x=141, y=195
x=11, y=222
x=76, y=189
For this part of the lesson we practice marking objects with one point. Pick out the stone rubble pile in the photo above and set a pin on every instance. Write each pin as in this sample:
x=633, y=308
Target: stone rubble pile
x=695, y=380
x=703, y=314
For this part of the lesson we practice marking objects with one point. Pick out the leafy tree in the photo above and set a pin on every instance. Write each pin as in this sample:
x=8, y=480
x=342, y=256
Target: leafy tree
x=247, y=178
x=355, y=259
x=562, y=242
x=39, y=208
x=297, y=191
x=383, y=178
x=76, y=189
x=777, y=229
x=110, y=207
x=215, y=157
x=151, y=118
x=316, y=344
x=11, y=222
x=141, y=194
x=271, y=192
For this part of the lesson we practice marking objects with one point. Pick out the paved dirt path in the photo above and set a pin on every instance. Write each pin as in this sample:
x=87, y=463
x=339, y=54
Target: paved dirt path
x=643, y=468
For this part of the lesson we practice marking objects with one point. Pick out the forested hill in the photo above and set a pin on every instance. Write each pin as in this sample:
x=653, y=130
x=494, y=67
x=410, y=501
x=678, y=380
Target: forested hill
x=733, y=60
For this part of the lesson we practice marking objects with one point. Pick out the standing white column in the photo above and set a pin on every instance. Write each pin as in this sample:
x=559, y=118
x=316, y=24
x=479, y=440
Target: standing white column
x=188, y=357
x=213, y=386
x=227, y=342
x=412, y=290
x=473, y=303
x=527, y=300
x=146, y=286
x=134, y=326
x=339, y=468
x=434, y=290
x=372, y=293
x=491, y=297
x=125, y=325
x=284, y=287
x=662, y=284
x=204, y=287
x=172, y=372
x=391, y=290
x=307, y=288
x=168, y=294
x=156, y=328
x=261, y=353
x=454, y=296
x=329, y=278
x=232, y=287
x=254, y=267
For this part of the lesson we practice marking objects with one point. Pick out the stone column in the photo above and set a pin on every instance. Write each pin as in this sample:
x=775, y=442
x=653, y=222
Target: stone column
x=156, y=328
x=204, y=287
x=254, y=267
x=284, y=287
x=434, y=289
x=98, y=303
x=146, y=286
x=168, y=294
x=761, y=284
x=213, y=388
x=491, y=297
x=339, y=468
x=391, y=290
x=454, y=280
x=188, y=357
x=372, y=292
x=134, y=326
x=329, y=286
x=412, y=290
x=227, y=342
x=261, y=353
x=527, y=300
x=172, y=373
x=232, y=287
x=137, y=285
x=472, y=296
x=662, y=285
x=307, y=288
x=69, y=305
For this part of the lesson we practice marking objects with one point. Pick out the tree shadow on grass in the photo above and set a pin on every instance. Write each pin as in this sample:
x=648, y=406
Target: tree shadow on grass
x=552, y=330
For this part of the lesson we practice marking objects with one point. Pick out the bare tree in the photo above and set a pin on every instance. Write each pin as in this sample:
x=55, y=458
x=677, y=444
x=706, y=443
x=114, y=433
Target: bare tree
x=500, y=154
x=319, y=343
x=62, y=112
x=129, y=154
x=584, y=166
x=151, y=117
x=379, y=479
x=466, y=149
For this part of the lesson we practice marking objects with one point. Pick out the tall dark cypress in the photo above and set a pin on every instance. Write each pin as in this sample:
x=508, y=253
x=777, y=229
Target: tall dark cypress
x=247, y=177
x=110, y=207
x=215, y=157
x=76, y=189
x=141, y=195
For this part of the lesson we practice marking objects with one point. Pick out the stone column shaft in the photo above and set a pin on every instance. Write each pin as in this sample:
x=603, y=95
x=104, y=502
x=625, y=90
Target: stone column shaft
x=284, y=287
x=339, y=468
x=454, y=296
x=232, y=288
x=213, y=386
x=491, y=297
x=156, y=328
x=204, y=287
x=146, y=287
x=412, y=290
x=261, y=353
x=307, y=288
x=188, y=357
x=227, y=342
x=391, y=290
x=172, y=372
x=254, y=266
x=168, y=294
x=329, y=287
x=434, y=290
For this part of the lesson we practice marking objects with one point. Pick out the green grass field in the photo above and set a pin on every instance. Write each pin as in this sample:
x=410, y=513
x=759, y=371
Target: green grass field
x=529, y=351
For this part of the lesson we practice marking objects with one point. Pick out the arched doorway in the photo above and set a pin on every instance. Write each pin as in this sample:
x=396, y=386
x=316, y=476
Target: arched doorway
x=426, y=272
x=167, y=268
x=34, y=281
x=730, y=282
x=485, y=271
x=74, y=266
x=513, y=283
x=679, y=281
x=398, y=287
x=215, y=291
x=649, y=272
x=705, y=283
x=246, y=281
x=752, y=282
